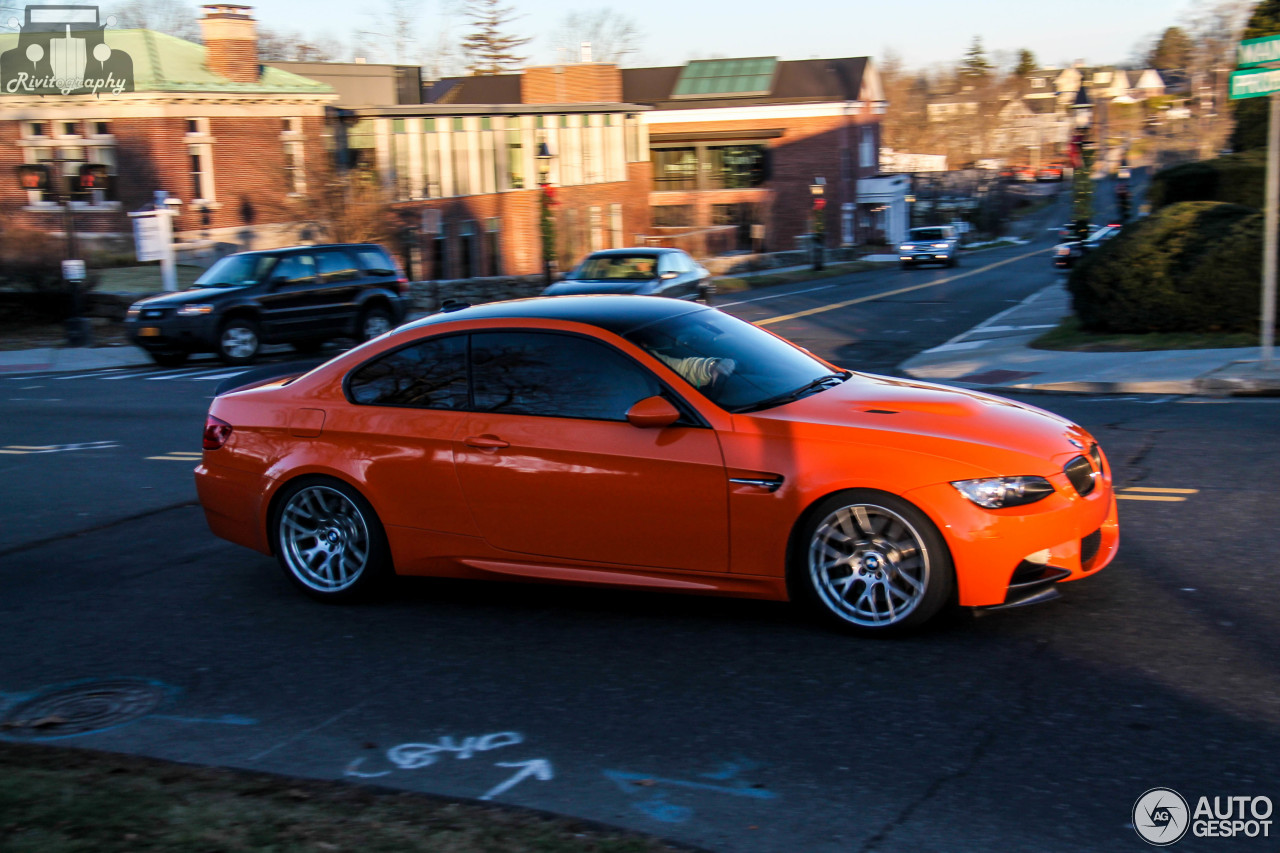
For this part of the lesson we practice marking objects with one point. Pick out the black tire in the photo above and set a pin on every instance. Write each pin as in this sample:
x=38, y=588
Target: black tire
x=906, y=265
x=174, y=358
x=871, y=563
x=373, y=322
x=329, y=541
x=239, y=341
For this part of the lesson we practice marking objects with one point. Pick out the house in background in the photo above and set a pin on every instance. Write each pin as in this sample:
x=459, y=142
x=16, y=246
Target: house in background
x=231, y=139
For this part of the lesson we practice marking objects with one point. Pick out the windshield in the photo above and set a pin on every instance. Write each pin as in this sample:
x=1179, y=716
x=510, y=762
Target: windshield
x=236, y=271
x=618, y=267
x=736, y=365
x=930, y=234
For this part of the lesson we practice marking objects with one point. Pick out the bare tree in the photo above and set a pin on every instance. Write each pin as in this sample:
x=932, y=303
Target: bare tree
x=393, y=31
x=610, y=34
x=487, y=46
x=292, y=46
x=173, y=17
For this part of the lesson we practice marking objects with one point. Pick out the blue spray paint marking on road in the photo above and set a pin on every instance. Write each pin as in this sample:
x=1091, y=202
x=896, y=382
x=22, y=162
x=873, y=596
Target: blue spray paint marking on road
x=658, y=807
x=224, y=720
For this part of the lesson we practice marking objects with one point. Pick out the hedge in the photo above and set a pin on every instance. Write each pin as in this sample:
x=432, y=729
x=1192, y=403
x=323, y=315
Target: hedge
x=1233, y=178
x=1190, y=267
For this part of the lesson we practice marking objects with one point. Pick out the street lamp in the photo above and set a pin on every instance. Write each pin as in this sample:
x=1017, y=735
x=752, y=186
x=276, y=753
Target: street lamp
x=546, y=222
x=819, y=203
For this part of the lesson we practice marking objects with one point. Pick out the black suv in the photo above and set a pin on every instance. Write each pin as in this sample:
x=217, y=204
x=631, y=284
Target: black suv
x=303, y=296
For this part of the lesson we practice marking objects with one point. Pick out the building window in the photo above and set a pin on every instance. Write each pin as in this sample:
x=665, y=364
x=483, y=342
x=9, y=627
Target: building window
x=515, y=160
x=735, y=167
x=467, y=250
x=673, y=216
x=69, y=128
x=615, y=226
x=867, y=148
x=200, y=158
x=38, y=128
x=101, y=128
x=440, y=252
x=675, y=168
x=460, y=145
x=64, y=159
x=596, y=231
x=294, y=178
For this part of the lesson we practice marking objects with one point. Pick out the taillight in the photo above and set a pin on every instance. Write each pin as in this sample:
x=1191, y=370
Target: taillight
x=216, y=433
x=402, y=285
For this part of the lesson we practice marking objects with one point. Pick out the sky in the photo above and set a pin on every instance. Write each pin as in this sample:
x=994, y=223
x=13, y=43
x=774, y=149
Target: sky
x=922, y=32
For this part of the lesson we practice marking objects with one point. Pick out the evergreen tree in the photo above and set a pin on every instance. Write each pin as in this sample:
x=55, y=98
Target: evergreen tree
x=1026, y=64
x=489, y=50
x=1251, y=113
x=975, y=67
x=1172, y=51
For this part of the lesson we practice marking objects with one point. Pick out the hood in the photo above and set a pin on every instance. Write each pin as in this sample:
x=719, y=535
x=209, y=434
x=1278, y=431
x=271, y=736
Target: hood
x=981, y=431
x=580, y=286
x=185, y=297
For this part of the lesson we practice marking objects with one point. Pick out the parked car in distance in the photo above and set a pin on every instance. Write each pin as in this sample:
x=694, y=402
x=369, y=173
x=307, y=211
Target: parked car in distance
x=1066, y=255
x=933, y=244
x=303, y=295
x=1067, y=231
x=643, y=271
x=1051, y=172
x=644, y=443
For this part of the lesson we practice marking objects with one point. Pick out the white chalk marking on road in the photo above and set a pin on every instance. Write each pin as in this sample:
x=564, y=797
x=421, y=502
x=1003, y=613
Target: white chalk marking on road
x=539, y=768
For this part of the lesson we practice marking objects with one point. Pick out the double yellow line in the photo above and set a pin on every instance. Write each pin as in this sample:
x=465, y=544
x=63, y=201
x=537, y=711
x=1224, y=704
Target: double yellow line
x=1149, y=493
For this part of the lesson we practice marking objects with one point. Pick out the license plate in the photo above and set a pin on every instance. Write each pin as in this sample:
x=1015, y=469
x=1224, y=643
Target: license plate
x=148, y=332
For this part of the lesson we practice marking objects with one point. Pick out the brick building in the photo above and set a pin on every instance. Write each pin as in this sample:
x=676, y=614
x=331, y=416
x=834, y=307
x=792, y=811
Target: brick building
x=734, y=146
x=232, y=140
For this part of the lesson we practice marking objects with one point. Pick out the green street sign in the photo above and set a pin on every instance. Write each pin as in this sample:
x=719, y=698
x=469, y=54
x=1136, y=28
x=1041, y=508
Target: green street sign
x=1258, y=51
x=1255, y=82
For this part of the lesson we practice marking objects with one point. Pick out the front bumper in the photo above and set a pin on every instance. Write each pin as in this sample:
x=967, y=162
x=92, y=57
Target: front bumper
x=1074, y=535
x=171, y=333
x=931, y=257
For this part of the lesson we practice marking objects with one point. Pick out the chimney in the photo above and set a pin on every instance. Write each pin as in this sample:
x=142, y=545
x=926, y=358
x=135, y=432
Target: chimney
x=230, y=41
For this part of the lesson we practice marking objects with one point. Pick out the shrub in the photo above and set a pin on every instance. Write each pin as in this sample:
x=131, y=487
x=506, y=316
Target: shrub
x=30, y=260
x=1191, y=267
x=1234, y=178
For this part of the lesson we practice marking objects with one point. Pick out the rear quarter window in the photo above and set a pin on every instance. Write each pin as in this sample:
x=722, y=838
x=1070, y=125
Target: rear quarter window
x=375, y=261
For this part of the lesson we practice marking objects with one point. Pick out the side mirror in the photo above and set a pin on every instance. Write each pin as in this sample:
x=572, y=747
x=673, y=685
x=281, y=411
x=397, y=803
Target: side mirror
x=653, y=413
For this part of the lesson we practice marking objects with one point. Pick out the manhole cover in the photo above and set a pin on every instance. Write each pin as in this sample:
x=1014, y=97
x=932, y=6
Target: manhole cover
x=81, y=708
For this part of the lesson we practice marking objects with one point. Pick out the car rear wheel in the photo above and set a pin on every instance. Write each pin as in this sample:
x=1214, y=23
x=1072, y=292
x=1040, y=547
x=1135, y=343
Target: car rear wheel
x=374, y=322
x=239, y=341
x=329, y=541
x=871, y=563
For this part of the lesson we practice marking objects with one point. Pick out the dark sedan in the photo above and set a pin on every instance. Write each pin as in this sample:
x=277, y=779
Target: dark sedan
x=1066, y=255
x=647, y=272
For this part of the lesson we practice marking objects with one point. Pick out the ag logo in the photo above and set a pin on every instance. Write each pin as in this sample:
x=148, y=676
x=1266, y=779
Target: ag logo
x=1161, y=817
x=63, y=50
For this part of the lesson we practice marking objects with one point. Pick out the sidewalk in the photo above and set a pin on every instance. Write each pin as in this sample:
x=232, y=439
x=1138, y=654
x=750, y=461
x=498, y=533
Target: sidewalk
x=994, y=355
x=997, y=355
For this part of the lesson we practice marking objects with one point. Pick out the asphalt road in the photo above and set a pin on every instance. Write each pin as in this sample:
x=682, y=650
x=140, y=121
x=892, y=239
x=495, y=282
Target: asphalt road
x=732, y=725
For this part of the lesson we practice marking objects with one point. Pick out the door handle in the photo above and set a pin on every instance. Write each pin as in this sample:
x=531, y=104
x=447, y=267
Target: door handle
x=485, y=442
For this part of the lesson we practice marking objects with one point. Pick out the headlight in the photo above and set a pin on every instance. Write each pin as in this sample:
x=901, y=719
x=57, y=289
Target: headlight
x=999, y=492
x=194, y=310
x=905, y=247
x=133, y=312
x=939, y=245
x=1062, y=250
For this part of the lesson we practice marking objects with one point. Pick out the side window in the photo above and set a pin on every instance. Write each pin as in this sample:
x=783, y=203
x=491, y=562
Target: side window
x=667, y=263
x=554, y=375
x=336, y=265
x=684, y=263
x=294, y=270
x=428, y=375
x=375, y=262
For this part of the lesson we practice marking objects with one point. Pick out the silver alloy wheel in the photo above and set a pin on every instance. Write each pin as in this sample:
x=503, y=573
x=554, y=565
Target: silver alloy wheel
x=375, y=323
x=239, y=341
x=324, y=539
x=868, y=565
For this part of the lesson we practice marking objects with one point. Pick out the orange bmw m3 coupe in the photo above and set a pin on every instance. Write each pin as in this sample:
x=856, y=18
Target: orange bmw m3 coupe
x=640, y=442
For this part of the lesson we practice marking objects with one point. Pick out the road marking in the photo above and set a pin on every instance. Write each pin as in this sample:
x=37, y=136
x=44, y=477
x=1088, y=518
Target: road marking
x=778, y=295
x=180, y=456
x=835, y=306
x=57, y=448
x=1151, y=493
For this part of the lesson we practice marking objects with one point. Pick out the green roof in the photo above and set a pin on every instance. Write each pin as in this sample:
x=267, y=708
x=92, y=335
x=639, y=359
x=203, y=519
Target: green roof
x=741, y=77
x=164, y=63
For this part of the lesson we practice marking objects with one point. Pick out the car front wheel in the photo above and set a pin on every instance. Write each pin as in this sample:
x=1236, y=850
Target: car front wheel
x=374, y=322
x=329, y=541
x=239, y=342
x=871, y=563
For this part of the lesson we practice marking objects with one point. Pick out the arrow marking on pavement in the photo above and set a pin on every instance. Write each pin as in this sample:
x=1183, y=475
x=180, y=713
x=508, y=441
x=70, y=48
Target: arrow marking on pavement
x=539, y=767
